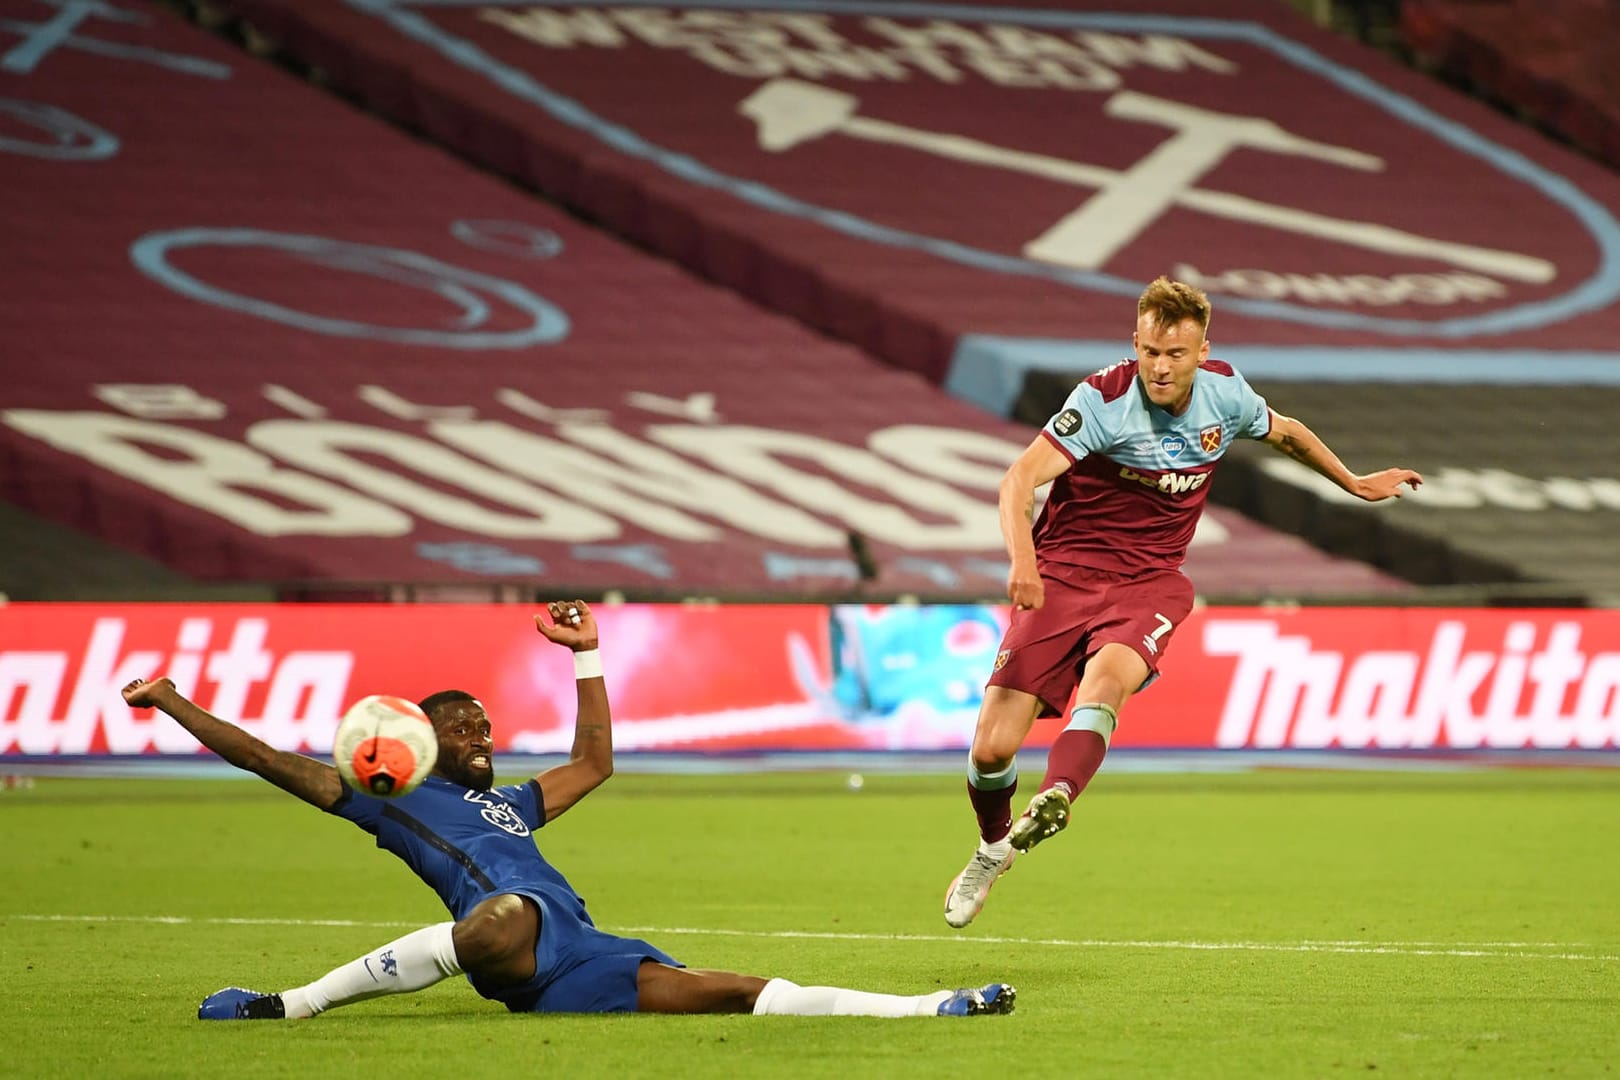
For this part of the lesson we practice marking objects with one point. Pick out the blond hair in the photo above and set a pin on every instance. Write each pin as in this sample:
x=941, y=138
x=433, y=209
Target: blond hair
x=1170, y=301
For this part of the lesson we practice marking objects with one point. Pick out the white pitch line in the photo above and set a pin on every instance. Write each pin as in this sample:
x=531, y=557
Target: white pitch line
x=1493, y=949
x=1509, y=949
x=184, y=920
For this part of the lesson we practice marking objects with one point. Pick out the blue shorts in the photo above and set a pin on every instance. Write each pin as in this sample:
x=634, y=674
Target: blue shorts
x=577, y=968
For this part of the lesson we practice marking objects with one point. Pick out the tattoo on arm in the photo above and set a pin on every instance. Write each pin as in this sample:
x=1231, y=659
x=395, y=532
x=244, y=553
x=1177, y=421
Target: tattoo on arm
x=313, y=781
x=1029, y=509
x=1295, y=449
x=305, y=769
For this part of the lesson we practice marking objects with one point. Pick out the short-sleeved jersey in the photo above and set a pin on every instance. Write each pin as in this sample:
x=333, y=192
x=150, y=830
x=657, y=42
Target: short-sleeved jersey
x=1139, y=476
x=467, y=845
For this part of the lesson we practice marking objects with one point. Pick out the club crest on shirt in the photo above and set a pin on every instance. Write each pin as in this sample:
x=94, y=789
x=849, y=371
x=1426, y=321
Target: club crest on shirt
x=1066, y=422
x=1173, y=445
x=498, y=812
x=1001, y=658
x=1210, y=439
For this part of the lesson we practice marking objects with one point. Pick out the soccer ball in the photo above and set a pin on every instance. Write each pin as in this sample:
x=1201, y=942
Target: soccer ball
x=385, y=746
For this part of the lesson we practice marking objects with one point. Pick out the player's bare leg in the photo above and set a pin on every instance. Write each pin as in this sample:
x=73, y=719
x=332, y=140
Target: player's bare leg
x=1004, y=722
x=495, y=941
x=664, y=989
x=1111, y=675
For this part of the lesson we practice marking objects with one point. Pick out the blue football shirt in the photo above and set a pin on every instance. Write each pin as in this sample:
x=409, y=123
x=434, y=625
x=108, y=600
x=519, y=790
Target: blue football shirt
x=466, y=845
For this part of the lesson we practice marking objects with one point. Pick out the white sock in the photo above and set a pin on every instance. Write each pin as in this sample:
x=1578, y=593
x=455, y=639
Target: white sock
x=783, y=998
x=414, y=962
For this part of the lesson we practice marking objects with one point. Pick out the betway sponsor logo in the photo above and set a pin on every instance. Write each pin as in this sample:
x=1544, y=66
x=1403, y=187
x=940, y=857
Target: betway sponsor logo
x=1168, y=483
x=41, y=712
x=1516, y=692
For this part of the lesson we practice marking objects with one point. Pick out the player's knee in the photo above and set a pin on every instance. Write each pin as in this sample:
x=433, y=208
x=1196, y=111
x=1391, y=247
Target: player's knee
x=725, y=992
x=990, y=757
x=1004, y=722
x=498, y=936
x=995, y=746
x=745, y=993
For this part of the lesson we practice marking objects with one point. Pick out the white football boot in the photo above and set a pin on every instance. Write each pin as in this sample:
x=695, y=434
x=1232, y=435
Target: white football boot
x=968, y=892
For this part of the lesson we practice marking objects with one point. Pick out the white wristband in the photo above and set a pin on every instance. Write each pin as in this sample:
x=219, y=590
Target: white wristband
x=588, y=664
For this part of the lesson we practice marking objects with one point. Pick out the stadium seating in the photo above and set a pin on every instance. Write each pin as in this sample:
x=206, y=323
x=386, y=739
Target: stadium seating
x=1549, y=61
x=271, y=342
x=976, y=194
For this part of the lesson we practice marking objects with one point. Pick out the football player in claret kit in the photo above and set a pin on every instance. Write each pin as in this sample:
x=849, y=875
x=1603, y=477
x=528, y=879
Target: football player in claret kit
x=1095, y=582
x=520, y=933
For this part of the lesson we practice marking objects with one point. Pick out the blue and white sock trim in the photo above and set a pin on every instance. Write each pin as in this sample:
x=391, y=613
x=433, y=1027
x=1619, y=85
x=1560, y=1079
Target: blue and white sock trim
x=1094, y=716
x=993, y=781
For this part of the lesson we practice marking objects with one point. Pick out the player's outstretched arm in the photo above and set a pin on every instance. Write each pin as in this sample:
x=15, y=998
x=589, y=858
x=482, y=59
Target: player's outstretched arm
x=1040, y=463
x=316, y=782
x=590, y=761
x=1289, y=436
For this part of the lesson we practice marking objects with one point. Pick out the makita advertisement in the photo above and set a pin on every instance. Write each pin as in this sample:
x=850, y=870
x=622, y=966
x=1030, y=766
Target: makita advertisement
x=808, y=677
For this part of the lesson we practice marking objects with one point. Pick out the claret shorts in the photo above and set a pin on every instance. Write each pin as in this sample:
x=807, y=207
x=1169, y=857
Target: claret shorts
x=1044, y=651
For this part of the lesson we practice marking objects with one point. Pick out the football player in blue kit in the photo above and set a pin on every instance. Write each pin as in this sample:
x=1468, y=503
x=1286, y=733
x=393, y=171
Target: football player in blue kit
x=521, y=934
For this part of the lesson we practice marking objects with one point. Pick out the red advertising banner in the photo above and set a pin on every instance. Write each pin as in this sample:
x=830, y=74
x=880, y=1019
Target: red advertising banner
x=808, y=677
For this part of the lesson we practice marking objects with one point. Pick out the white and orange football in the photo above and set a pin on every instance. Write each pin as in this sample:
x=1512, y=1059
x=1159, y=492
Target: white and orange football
x=385, y=746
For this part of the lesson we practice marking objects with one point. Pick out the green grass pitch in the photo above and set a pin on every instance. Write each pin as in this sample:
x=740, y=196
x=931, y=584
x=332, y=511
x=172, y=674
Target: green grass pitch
x=1262, y=924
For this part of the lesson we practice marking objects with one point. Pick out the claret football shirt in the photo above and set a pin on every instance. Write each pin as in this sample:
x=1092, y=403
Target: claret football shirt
x=1139, y=477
